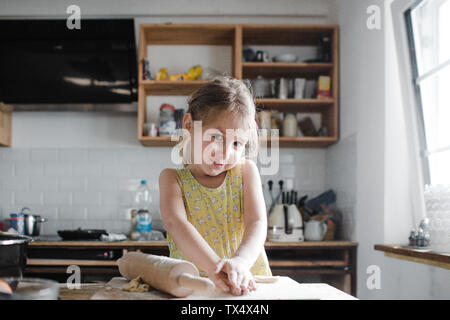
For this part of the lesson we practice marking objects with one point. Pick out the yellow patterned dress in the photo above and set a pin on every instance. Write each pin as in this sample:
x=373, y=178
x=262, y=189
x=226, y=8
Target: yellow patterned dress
x=218, y=215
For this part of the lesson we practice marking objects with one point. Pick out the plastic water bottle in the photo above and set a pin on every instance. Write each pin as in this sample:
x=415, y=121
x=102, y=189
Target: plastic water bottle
x=142, y=202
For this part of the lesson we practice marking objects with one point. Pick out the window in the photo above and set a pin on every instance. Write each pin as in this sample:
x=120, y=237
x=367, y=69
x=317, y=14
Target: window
x=428, y=28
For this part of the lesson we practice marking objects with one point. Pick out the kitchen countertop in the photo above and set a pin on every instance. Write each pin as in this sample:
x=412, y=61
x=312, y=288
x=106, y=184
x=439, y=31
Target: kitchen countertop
x=163, y=244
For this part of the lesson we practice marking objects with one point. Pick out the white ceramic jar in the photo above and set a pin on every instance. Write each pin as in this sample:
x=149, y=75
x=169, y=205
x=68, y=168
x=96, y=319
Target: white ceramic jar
x=290, y=125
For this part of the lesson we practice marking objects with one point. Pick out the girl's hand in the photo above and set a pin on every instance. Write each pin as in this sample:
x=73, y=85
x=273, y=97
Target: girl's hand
x=238, y=275
x=220, y=279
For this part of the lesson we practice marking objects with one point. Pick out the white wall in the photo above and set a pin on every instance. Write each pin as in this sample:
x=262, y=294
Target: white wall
x=372, y=118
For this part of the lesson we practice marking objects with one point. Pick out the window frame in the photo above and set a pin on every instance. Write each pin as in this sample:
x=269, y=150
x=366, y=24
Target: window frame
x=417, y=95
x=425, y=152
x=412, y=111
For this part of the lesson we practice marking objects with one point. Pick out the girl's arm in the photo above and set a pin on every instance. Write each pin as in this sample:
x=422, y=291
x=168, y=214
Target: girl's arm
x=185, y=235
x=255, y=220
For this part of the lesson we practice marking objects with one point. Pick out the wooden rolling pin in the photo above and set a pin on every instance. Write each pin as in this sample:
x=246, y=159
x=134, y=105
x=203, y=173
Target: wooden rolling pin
x=177, y=277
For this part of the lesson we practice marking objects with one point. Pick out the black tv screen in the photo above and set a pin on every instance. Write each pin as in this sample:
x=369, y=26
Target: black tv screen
x=42, y=61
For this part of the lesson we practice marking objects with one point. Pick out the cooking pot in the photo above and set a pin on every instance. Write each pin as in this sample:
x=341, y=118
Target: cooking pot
x=13, y=254
x=33, y=224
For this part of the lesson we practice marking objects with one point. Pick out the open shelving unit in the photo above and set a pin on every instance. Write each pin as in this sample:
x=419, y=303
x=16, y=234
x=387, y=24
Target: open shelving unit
x=238, y=37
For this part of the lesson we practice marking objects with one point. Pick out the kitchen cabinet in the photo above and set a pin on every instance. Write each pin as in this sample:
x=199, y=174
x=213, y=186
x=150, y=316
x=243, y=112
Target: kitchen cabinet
x=5, y=125
x=237, y=37
x=333, y=261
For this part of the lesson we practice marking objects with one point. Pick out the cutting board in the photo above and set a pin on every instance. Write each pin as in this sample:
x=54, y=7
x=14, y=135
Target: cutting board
x=284, y=289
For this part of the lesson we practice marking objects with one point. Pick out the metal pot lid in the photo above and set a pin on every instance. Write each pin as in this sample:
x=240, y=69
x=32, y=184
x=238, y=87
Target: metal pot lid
x=10, y=239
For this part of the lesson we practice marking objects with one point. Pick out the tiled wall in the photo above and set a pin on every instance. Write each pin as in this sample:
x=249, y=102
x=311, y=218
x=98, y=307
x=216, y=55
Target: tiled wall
x=341, y=168
x=93, y=187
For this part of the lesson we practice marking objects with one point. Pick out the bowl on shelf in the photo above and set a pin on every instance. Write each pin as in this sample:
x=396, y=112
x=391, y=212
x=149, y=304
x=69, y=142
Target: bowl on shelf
x=285, y=58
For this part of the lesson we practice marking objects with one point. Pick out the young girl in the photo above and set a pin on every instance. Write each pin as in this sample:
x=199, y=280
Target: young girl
x=213, y=209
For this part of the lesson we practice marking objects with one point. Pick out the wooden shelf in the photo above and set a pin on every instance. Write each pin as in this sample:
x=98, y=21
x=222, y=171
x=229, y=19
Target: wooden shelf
x=171, y=88
x=157, y=141
x=415, y=255
x=188, y=34
x=237, y=36
x=67, y=262
x=307, y=263
x=303, y=142
x=287, y=142
x=284, y=35
x=295, y=105
x=309, y=245
x=285, y=69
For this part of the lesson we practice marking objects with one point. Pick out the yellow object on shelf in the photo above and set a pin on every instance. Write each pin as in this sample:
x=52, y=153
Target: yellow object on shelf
x=192, y=74
x=162, y=74
x=324, y=90
x=175, y=77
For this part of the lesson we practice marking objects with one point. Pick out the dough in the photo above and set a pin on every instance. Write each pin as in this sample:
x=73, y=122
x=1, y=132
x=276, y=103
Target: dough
x=136, y=285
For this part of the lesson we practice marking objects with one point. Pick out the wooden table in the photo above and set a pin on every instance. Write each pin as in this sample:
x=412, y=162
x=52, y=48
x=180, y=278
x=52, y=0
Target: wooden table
x=284, y=289
x=333, y=261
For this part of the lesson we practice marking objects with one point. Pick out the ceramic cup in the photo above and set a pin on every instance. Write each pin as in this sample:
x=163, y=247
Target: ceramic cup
x=315, y=230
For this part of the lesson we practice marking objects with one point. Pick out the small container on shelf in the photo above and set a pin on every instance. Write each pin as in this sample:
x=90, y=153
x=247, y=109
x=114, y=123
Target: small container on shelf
x=151, y=129
x=167, y=124
x=290, y=125
x=324, y=87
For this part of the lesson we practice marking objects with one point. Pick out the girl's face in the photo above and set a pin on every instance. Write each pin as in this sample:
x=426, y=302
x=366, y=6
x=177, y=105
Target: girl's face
x=222, y=142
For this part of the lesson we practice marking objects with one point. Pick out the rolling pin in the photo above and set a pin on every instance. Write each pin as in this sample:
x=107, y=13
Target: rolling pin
x=177, y=277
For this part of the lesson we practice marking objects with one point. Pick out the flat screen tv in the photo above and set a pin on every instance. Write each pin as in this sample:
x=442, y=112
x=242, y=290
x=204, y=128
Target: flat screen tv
x=45, y=62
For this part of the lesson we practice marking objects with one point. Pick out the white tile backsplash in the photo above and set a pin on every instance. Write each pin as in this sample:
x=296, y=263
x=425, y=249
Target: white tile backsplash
x=93, y=187
x=57, y=198
x=68, y=183
x=6, y=168
x=86, y=198
x=27, y=198
x=73, y=155
x=44, y=155
x=29, y=168
x=86, y=169
x=14, y=183
x=57, y=169
x=42, y=183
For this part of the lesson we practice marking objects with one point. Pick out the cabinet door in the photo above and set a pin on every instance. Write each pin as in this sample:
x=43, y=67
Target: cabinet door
x=5, y=125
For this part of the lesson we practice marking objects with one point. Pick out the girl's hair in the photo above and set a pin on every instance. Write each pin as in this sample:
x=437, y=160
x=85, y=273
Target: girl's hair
x=230, y=94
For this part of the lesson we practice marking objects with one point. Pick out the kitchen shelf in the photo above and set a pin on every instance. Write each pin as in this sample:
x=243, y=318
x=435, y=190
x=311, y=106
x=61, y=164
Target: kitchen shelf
x=425, y=256
x=237, y=36
x=297, y=105
x=310, y=263
x=285, y=69
x=171, y=88
x=302, y=142
x=187, y=34
x=67, y=262
x=284, y=35
x=157, y=141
